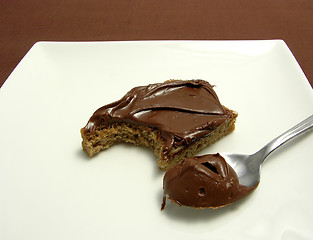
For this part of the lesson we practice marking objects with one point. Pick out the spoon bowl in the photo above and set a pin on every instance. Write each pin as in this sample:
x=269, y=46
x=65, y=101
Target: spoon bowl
x=247, y=170
x=248, y=167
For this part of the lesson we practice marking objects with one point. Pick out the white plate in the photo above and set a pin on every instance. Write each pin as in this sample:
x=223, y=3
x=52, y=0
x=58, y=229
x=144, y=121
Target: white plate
x=49, y=189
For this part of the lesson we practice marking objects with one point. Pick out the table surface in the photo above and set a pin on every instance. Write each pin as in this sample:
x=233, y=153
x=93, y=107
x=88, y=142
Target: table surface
x=24, y=22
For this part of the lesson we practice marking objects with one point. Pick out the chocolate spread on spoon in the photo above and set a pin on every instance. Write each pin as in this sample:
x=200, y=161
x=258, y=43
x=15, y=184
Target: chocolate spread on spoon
x=203, y=181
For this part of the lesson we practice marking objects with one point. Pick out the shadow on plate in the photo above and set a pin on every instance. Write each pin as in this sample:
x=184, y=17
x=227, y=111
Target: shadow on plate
x=81, y=155
x=192, y=215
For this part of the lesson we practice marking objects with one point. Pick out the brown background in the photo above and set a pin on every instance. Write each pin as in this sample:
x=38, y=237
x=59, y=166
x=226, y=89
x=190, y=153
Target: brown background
x=24, y=22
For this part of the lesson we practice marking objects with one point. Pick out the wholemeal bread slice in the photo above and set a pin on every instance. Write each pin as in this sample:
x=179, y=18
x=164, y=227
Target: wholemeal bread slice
x=176, y=119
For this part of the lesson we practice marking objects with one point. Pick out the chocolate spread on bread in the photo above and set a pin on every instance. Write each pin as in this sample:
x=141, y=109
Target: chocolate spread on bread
x=203, y=181
x=182, y=111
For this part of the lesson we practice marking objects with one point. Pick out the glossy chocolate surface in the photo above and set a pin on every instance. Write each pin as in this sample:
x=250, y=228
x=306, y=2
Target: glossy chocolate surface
x=182, y=111
x=204, y=181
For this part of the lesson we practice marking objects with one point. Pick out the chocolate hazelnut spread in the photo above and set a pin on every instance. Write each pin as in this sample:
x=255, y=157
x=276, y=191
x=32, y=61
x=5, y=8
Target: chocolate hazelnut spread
x=203, y=181
x=183, y=111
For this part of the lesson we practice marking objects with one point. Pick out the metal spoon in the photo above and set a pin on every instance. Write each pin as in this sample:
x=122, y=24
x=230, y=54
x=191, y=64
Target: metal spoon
x=248, y=167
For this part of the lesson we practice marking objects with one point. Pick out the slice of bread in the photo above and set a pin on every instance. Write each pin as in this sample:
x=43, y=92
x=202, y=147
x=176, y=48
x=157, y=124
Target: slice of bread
x=176, y=119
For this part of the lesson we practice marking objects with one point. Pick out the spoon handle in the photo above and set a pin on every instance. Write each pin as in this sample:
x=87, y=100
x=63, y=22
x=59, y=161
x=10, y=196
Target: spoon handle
x=301, y=127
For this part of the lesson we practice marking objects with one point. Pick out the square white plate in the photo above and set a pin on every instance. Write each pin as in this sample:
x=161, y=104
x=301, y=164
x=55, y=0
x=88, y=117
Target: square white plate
x=49, y=189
